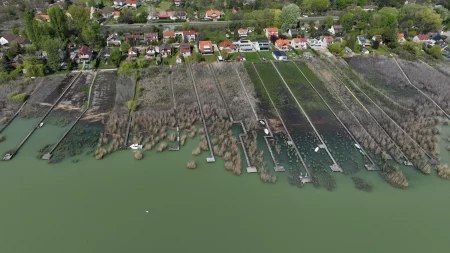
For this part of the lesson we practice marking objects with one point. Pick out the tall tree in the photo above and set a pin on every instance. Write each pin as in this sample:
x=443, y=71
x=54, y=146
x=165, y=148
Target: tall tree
x=58, y=21
x=79, y=17
x=53, y=48
x=422, y=18
x=289, y=16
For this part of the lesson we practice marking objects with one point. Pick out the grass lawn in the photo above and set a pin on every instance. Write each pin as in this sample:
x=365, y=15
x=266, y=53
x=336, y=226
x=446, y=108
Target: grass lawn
x=211, y=57
x=266, y=54
x=216, y=36
x=164, y=5
x=252, y=57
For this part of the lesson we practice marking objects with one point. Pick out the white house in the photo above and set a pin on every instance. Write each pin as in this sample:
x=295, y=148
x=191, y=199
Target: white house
x=401, y=38
x=119, y=2
x=424, y=38
x=7, y=39
x=279, y=55
x=335, y=29
x=189, y=35
x=293, y=32
x=113, y=39
x=151, y=51
x=328, y=40
x=363, y=41
x=212, y=14
x=315, y=43
x=271, y=31
x=133, y=3
x=299, y=43
x=244, y=45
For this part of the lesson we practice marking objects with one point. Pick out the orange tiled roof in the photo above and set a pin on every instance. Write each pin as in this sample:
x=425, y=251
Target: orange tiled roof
x=281, y=42
x=204, y=43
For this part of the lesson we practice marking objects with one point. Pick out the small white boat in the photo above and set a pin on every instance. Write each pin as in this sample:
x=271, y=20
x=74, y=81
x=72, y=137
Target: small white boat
x=41, y=124
x=266, y=131
x=357, y=146
x=316, y=149
x=262, y=122
x=136, y=146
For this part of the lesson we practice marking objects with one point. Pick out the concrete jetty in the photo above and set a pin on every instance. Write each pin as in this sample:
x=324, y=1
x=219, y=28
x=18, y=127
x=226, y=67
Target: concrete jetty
x=42, y=120
x=211, y=158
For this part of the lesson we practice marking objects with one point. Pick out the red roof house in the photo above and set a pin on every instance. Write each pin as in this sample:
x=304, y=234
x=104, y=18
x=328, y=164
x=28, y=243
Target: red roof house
x=206, y=47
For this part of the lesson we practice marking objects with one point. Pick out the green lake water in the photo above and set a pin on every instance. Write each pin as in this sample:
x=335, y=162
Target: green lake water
x=100, y=206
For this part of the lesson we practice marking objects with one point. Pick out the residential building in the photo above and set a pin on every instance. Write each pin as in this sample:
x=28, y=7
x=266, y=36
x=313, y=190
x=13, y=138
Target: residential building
x=279, y=55
x=151, y=51
x=263, y=45
x=328, y=40
x=205, y=47
x=150, y=37
x=172, y=15
x=242, y=32
x=178, y=60
x=445, y=52
x=401, y=38
x=116, y=14
x=293, y=32
x=189, y=35
x=177, y=3
x=43, y=17
x=306, y=26
x=271, y=31
x=84, y=54
x=212, y=14
x=119, y=2
x=336, y=29
x=17, y=60
x=244, y=45
x=165, y=50
x=168, y=35
x=106, y=52
x=282, y=45
x=7, y=39
x=299, y=43
x=368, y=8
x=132, y=53
x=315, y=44
x=113, y=39
x=424, y=38
x=377, y=37
x=133, y=3
x=227, y=46
x=363, y=41
x=185, y=49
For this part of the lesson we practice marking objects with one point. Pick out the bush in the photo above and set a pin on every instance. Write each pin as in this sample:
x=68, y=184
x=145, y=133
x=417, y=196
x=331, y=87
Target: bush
x=132, y=105
x=435, y=51
x=2, y=138
x=138, y=155
x=191, y=165
x=17, y=97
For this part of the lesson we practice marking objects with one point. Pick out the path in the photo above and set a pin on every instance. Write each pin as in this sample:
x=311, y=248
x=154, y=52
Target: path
x=211, y=158
x=308, y=177
x=334, y=166
x=176, y=116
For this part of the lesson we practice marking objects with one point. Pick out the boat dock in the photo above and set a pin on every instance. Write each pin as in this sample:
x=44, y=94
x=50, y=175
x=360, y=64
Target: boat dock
x=9, y=156
x=177, y=147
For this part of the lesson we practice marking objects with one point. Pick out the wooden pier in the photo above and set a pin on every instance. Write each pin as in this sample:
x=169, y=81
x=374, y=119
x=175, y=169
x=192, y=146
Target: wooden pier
x=42, y=120
x=175, y=148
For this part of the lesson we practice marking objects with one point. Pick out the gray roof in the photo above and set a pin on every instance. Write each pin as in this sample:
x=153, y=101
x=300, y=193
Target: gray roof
x=279, y=53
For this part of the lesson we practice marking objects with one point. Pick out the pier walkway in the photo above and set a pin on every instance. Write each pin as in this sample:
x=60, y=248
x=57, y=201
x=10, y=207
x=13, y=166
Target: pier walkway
x=175, y=148
x=307, y=178
x=10, y=156
x=211, y=158
x=49, y=155
x=334, y=167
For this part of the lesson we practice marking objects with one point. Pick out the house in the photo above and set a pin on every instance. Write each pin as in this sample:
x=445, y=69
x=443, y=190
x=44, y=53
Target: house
x=165, y=50
x=328, y=40
x=279, y=55
x=401, y=38
x=119, y=3
x=226, y=46
x=150, y=37
x=317, y=25
x=133, y=3
x=315, y=43
x=113, y=39
x=168, y=35
x=44, y=17
x=293, y=32
x=185, y=49
x=177, y=3
x=377, y=37
x=17, y=60
x=127, y=37
x=282, y=45
x=368, y=8
x=151, y=51
x=178, y=60
x=205, y=47
x=365, y=51
x=172, y=15
x=242, y=32
x=336, y=29
x=263, y=45
x=7, y=39
x=132, y=53
x=445, y=52
x=189, y=35
x=271, y=31
x=424, y=38
x=137, y=36
x=85, y=54
x=116, y=14
x=363, y=41
x=212, y=14
x=244, y=45
x=241, y=57
x=299, y=43
x=106, y=53
x=306, y=26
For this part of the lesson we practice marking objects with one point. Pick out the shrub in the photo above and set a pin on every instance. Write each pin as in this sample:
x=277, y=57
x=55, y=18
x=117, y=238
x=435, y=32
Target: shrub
x=138, y=155
x=17, y=97
x=162, y=147
x=196, y=151
x=2, y=138
x=443, y=171
x=191, y=165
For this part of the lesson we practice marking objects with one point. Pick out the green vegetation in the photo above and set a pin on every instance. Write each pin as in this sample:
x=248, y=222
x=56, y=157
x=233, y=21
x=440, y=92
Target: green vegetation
x=17, y=97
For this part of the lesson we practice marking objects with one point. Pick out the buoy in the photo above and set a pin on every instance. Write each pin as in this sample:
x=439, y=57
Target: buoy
x=146, y=211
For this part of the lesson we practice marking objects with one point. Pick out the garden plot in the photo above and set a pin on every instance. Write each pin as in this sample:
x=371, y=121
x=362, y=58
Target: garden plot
x=416, y=116
x=102, y=96
x=155, y=114
x=335, y=136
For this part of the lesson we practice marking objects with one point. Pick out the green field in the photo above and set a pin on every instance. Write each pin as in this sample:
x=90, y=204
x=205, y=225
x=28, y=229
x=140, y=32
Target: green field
x=252, y=57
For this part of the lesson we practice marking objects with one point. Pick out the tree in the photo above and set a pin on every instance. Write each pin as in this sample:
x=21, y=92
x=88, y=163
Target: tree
x=53, y=48
x=389, y=3
x=328, y=21
x=80, y=17
x=422, y=18
x=14, y=50
x=116, y=56
x=435, y=51
x=33, y=66
x=289, y=16
x=58, y=21
x=124, y=47
x=92, y=34
x=91, y=3
x=316, y=5
x=335, y=48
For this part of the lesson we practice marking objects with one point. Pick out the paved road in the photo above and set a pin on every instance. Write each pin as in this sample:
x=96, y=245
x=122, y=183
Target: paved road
x=202, y=22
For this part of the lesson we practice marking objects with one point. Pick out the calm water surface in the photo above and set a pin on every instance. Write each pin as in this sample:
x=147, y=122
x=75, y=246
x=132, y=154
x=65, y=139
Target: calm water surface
x=100, y=206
